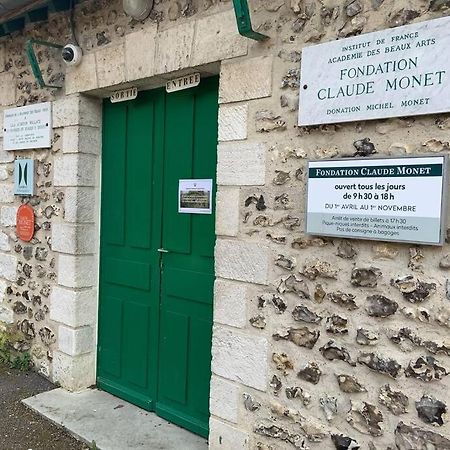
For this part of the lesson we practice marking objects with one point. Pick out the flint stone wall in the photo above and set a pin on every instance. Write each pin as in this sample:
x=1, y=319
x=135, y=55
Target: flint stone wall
x=318, y=343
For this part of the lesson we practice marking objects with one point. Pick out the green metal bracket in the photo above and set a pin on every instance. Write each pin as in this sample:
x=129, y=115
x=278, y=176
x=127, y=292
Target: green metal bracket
x=244, y=22
x=37, y=72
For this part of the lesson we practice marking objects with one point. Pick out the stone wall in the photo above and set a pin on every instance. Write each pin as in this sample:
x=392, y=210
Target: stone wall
x=318, y=343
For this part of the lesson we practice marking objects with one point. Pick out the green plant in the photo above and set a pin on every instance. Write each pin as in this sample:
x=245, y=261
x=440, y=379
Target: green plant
x=10, y=350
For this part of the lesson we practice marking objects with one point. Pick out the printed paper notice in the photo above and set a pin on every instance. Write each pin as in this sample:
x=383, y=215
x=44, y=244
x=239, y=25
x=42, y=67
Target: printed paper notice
x=392, y=199
x=195, y=196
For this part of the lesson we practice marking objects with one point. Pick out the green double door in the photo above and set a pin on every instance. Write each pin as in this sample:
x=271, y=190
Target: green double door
x=156, y=264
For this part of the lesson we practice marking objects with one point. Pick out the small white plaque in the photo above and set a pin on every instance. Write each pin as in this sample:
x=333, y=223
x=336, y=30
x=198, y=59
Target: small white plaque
x=28, y=127
x=186, y=82
x=391, y=199
x=402, y=71
x=24, y=177
x=124, y=95
x=195, y=196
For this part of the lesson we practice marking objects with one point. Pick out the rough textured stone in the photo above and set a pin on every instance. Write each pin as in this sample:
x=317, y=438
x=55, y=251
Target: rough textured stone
x=411, y=438
x=349, y=384
x=365, y=418
x=294, y=284
x=302, y=337
x=365, y=277
x=345, y=300
x=383, y=365
x=380, y=306
x=430, y=410
x=331, y=351
x=426, y=368
x=342, y=442
x=395, y=401
x=304, y=314
x=311, y=373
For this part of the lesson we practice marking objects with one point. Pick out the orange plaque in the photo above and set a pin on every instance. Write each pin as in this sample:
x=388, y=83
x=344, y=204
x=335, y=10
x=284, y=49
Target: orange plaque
x=25, y=223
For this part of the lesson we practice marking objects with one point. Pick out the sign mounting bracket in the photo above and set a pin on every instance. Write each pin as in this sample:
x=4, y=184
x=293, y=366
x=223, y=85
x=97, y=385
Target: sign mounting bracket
x=31, y=55
x=244, y=21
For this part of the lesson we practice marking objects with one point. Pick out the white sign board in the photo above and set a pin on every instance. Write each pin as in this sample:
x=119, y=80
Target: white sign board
x=394, y=199
x=24, y=177
x=195, y=196
x=398, y=72
x=28, y=127
x=124, y=95
x=186, y=82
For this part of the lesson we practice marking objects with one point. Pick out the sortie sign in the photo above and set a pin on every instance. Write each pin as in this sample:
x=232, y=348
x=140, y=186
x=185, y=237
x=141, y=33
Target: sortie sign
x=394, y=199
x=392, y=73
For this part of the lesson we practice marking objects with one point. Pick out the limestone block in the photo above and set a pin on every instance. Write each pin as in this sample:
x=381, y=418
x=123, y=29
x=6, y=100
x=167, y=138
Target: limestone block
x=5, y=156
x=7, y=89
x=110, y=65
x=3, y=287
x=2, y=57
x=174, y=48
x=80, y=204
x=8, y=266
x=77, y=271
x=225, y=437
x=76, y=110
x=2, y=118
x=227, y=211
x=6, y=193
x=242, y=261
x=74, y=239
x=4, y=173
x=224, y=399
x=241, y=164
x=73, y=308
x=76, y=341
x=83, y=77
x=81, y=140
x=8, y=216
x=4, y=242
x=140, y=50
x=217, y=38
x=74, y=373
x=230, y=303
x=246, y=79
x=239, y=357
x=233, y=122
x=6, y=315
x=75, y=170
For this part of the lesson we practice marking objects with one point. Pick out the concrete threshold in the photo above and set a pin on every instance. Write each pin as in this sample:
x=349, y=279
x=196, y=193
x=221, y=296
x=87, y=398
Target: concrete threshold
x=113, y=424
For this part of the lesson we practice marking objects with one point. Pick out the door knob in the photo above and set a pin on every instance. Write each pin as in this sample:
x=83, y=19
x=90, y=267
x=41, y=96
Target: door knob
x=163, y=250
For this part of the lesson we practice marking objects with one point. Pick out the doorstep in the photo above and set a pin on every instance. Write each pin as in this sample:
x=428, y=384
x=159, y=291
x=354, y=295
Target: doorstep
x=113, y=424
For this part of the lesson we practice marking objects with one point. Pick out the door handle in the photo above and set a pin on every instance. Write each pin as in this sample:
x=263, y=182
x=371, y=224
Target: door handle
x=163, y=250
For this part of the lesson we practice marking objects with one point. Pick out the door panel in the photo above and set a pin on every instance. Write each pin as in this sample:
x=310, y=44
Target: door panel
x=188, y=269
x=155, y=318
x=130, y=237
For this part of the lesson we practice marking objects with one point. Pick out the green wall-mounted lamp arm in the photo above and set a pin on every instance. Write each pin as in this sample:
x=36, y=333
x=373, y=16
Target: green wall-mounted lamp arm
x=244, y=22
x=32, y=58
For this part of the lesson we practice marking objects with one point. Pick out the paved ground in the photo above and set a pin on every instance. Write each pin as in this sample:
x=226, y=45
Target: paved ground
x=21, y=428
x=112, y=423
